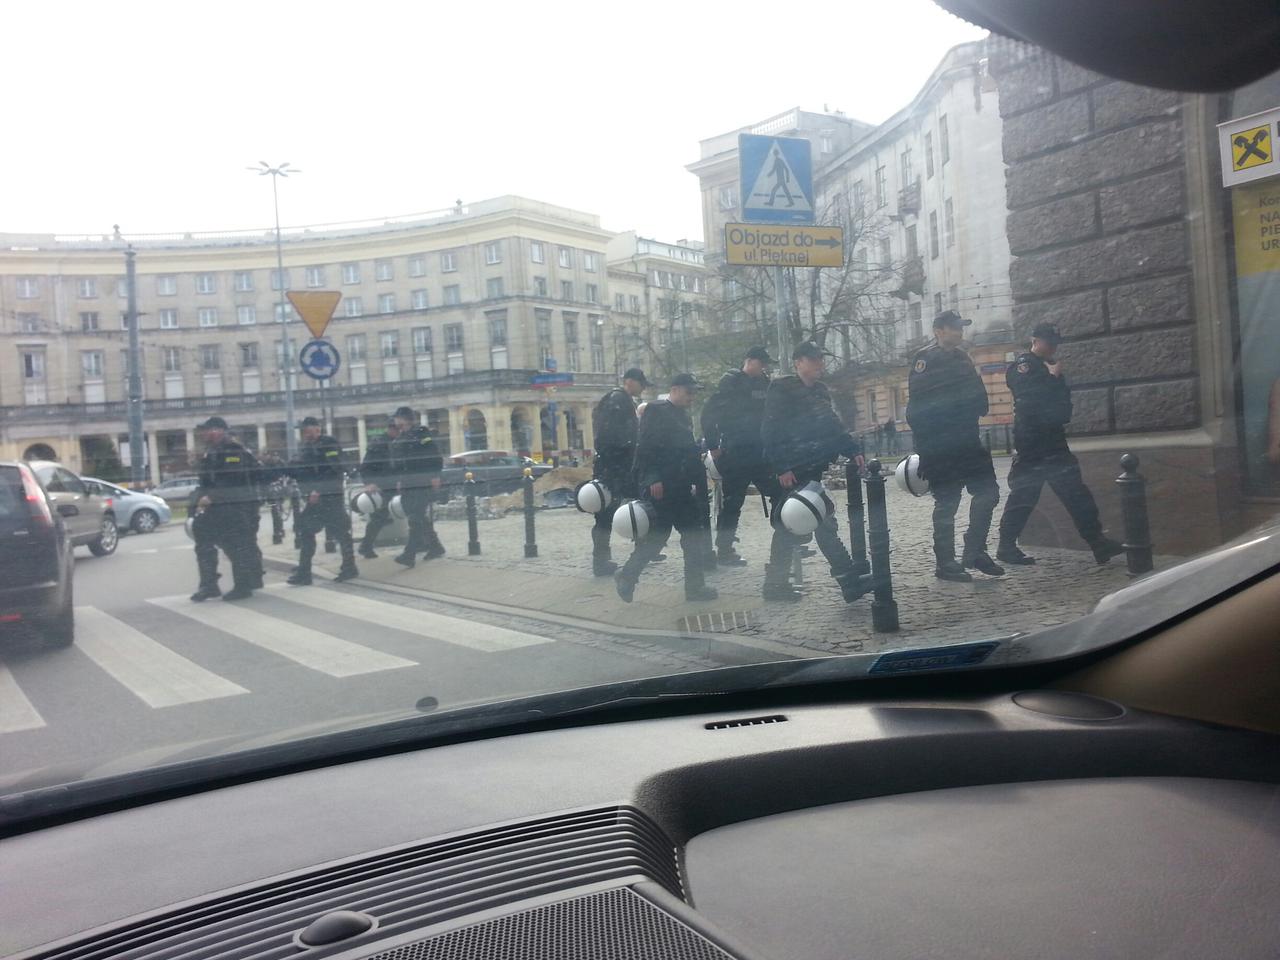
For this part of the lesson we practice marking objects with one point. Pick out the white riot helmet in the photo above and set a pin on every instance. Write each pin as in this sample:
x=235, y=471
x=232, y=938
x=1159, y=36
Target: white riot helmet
x=367, y=503
x=908, y=476
x=712, y=470
x=190, y=527
x=806, y=509
x=592, y=496
x=633, y=520
x=396, y=508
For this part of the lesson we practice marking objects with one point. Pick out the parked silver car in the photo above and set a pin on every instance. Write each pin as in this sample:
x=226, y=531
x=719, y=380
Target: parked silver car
x=134, y=510
x=88, y=516
x=176, y=489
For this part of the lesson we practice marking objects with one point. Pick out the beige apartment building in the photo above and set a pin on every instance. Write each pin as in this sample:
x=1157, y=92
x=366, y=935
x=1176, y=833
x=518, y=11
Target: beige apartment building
x=452, y=314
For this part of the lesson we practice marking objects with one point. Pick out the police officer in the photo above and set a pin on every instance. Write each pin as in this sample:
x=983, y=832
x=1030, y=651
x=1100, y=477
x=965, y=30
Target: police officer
x=226, y=511
x=417, y=463
x=1041, y=411
x=947, y=397
x=320, y=476
x=378, y=473
x=615, y=425
x=802, y=434
x=667, y=471
x=731, y=421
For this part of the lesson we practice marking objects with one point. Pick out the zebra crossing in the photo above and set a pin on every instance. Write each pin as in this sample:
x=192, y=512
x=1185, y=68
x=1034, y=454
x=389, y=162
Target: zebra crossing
x=161, y=678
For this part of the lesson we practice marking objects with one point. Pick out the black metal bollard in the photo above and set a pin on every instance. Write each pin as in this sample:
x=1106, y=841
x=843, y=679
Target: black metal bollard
x=884, y=609
x=857, y=519
x=473, y=533
x=530, y=537
x=1133, y=505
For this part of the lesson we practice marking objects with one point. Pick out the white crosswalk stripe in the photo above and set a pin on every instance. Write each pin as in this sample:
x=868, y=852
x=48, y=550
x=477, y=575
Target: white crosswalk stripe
x=148, y=669
x=424, y=623
x=16, y=711
x=310, y=648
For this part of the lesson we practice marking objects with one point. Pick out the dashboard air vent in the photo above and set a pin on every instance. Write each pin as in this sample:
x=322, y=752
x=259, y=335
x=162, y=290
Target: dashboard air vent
x=745, y=722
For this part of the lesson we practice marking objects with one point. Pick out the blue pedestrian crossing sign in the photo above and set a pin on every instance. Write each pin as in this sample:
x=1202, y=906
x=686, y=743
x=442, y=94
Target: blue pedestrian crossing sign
x=776, y=179
x=319, y=359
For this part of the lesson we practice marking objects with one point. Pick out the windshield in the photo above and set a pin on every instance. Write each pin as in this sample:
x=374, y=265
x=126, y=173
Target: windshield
x=542, y=378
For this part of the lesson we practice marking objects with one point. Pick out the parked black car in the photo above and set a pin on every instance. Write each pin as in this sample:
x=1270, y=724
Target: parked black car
x=36, y=563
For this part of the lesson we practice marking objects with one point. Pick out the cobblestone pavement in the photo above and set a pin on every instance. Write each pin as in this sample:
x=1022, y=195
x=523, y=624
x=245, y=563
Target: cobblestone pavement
x=1064, y=584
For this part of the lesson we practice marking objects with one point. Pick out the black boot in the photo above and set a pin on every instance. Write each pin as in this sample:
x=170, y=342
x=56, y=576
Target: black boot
x=330, y=547
x=238, y=592
x=626, y=585
x=853, y=585
x=983, y=563
x=367, y=551
x=695, y=586
x=406, y=559
x=602, y=564
x=1009, y=553
x=300, y=578
x=346, y=572
x=726, y=554
x=1104, y=548
x=777, y=584
x=948, y=569
x=206, y=592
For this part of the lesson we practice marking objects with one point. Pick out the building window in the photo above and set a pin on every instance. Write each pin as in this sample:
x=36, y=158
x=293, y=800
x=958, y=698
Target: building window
x=493, y=252
x=886, y=254
x=452, y=295
x=953, y=295
x=210, y=357
x=383, y=270
x=28, y=288
x=907, y=170
x=635, y=303
x=453, y=338
x=913, y=310
x=882, y=188
x=593, y=293
x=620, y=302
x=386, y=303
x=542, y=321
x=728, y=198
x=566, y=257
x=539, y=286
x=33, y=365
x=354, y=306
x=206, y=283
x=167, y=286
x=566, y=289
x=537, y=253
x=497, y=328
x=937, y=304
x=588, y=261
x=356, y=348
x=28, y=322
x=246, y=315
x=284, y=313
x=448, y=262
x=418, y=299
x=350, y=273
x=928, y=154
x=244, y=281
x=89, y=322
x=122, y=288
x=421, y=340
x=912, y=243
x=207, y=316
x=275, y=280
x=124, y=320
x=573, y=349
x=859, y=198
x=418, y=266
x=248, y=356
x=91, y=364
x=950, y=214
x=933, y=235
x=390, y=344
x=87, y=288
x=944, y=142
x=315, y=277
x=493, y=288
x=172, y=359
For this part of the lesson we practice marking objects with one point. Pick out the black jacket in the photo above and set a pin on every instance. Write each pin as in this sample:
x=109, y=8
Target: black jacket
x=802, y=431
x=229, y=473
x=947, y=397
x=1041, y=407
x=377, y=464
x=732, y=419
x=666, y=451
x=416, y=458
x=319, y=467
x=616, y=428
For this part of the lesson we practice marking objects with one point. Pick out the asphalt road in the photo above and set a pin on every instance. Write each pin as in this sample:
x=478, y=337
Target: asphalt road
x=152, y=676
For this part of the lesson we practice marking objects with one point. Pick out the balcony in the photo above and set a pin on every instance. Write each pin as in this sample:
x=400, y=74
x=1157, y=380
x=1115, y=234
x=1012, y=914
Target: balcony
x=909, y=200
x=912, y=279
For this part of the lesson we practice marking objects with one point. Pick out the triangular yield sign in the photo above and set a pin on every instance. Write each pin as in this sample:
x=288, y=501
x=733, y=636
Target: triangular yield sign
x=316, y=308
x=776, y=185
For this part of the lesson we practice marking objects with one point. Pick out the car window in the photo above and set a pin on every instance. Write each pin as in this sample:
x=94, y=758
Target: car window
x=70, y=482
x=12, y=502
x=51, y=480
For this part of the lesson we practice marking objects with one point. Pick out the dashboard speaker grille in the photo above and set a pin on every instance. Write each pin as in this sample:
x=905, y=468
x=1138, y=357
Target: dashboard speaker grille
x=612, y=925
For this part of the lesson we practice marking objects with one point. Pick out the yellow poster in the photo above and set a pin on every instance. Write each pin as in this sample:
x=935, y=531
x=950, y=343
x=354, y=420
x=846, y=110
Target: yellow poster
x=1255, y=209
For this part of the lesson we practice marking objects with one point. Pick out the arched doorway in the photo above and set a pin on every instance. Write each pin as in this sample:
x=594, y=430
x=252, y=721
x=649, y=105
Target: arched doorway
x=521, y=432
x=39, y=451
x=475, y=431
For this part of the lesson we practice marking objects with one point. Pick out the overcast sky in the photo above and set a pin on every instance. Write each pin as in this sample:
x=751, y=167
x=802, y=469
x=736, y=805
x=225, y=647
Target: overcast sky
x=146, y=114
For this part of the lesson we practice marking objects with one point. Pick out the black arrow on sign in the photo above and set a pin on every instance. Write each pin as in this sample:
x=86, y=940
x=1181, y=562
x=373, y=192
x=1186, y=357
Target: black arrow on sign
x=827, y=243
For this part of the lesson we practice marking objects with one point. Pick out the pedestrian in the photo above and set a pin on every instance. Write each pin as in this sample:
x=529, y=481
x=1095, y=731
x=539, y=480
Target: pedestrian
x=802, y=435
x=378, y=473
x=321, y=479
x=616, y=425
x=417, y=463
x=667, y=471
x=947, y=398
x=890, y=429
x=1041, y=412
x=226, y=506
x=731, y=423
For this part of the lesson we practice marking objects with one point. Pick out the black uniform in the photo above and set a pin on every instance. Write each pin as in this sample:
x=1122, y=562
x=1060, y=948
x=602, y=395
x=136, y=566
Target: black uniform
x=416, y=461
x=731, y=420
x=229, y=478
x=947, y=398
x=803, y=434
x=319, y=469
x=667, y=453
x=616, y=426
x=377, y=468
x=1041, y=411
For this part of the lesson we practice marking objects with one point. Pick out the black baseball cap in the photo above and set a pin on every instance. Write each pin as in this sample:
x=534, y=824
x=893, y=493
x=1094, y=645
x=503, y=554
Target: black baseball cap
x=949, y=318
x=405, y=413
x=308, y=422
x=759, y=353
x=1047, y=332
x=636, y=374
x=807, y=349
x=214, y=423
x=686, y=380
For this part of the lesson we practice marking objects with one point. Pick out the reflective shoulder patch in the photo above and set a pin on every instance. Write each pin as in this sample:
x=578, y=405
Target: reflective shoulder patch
x=332, y=453
x=1024, y=367
x=232, y=460
x=920, y=365
x=425, y=441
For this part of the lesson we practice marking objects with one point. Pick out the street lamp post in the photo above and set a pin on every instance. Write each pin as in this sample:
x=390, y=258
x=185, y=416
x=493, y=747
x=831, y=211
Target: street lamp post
x=290, y=435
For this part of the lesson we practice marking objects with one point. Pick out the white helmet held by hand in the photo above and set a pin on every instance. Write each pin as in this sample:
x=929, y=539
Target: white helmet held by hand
x=396, y=508
x=633, y=520
x=806, y=509
x=908, y=476
x=367, y=503
x=592, y=496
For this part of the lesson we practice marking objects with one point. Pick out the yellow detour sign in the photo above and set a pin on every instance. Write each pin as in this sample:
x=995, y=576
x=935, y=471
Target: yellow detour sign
x=773, y=245
x=315, y=307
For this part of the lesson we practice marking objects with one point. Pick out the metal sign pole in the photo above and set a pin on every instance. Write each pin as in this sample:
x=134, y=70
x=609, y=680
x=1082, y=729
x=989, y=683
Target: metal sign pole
x=779, y=299
x=136, y=475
